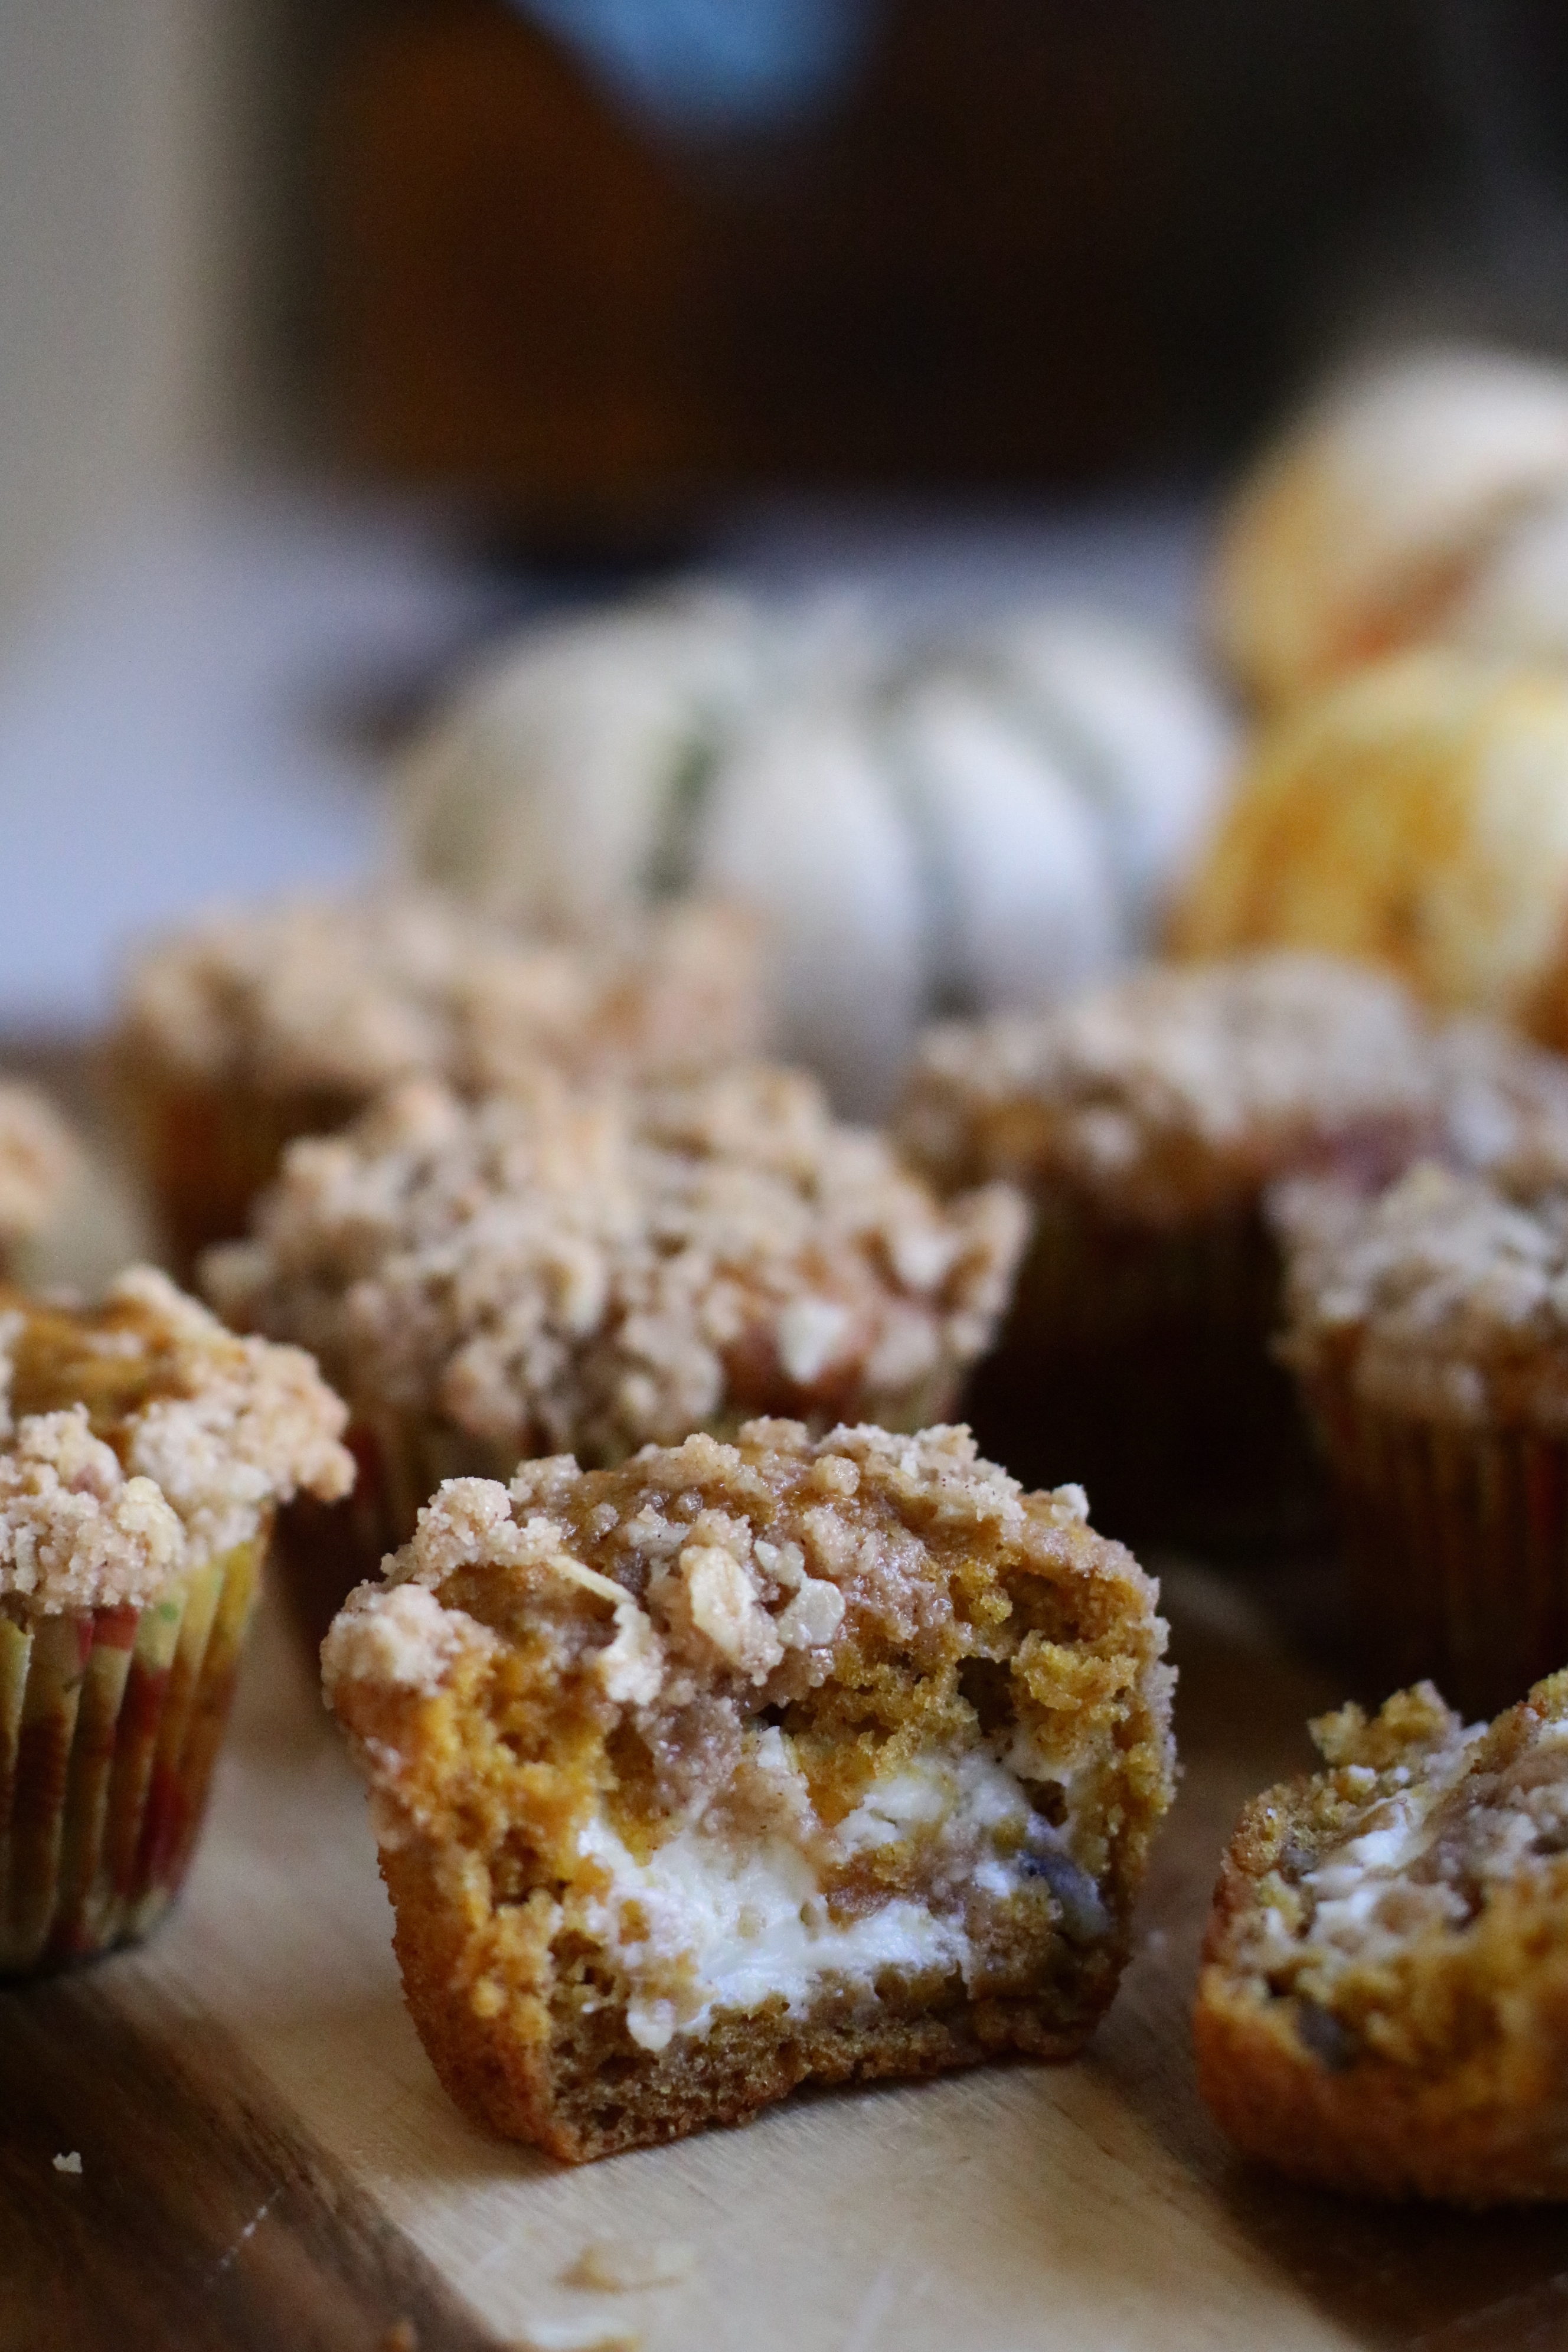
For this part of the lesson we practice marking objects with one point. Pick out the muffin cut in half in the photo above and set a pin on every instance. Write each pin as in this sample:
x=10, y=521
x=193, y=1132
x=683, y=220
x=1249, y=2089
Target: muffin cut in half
x=741, y=1765
x=262, y=1024
x=1146, y=1120
x=1384, y=2001
x=143, y=1453
x=562, y=1270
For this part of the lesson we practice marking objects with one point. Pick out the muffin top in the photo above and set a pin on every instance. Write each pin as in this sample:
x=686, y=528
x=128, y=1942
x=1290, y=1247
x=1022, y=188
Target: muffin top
x=1425, y=1853
x=595, y=1268
x=348, y=995
x=38, y=1159
x=1445, y=1297
x=839, y=1583
x=1179, y=1089
x=141, y=1438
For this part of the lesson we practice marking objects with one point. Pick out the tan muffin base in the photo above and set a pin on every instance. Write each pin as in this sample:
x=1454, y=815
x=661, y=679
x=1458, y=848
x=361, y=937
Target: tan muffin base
x=584, y=2089
x=1136, y=1361
x=1455, y=1544
x=1493, y=2133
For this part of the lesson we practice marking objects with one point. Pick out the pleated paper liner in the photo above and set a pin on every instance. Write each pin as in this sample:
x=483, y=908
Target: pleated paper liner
x=206, y=1148
x=1455, y=1548
x=324, y=1549
x=110, y=1724
x=1136, y=1361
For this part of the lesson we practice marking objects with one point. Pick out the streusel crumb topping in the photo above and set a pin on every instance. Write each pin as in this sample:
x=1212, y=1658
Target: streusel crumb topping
x=1445, y=1297
x=594, y=1270
x=139, y=1437
x=694, y=1586
x=1397, y=1853
x=38, y=1159
x=348, y=995
x=1176, y=1086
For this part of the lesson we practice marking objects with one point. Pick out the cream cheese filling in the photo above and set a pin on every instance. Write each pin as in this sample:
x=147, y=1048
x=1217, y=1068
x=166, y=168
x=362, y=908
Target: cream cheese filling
x=714, y=1923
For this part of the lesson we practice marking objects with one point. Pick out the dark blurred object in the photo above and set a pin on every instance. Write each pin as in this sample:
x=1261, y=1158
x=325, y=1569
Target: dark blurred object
x=1032, y=242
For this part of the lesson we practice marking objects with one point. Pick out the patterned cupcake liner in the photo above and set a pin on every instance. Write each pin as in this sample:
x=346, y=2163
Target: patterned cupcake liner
x=205, y=1150
x=1456, y=1547
x=1137, y=1361
x=324, y=1549
x=110, y=1724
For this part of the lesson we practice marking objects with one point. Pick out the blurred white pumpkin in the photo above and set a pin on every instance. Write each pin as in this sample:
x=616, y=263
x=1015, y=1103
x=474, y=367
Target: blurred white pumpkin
x=966, y=821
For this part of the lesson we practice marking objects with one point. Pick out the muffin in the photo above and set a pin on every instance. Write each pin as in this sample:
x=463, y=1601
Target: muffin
x=1428, y=1328
x=1146, y=1121
x=593, y=1270
x=146, y=1450
x=1384, y=2001
x=744, y=1765
x=1406, y=505
x=39, y=1162
x=1415, y=817
x=264, y=1023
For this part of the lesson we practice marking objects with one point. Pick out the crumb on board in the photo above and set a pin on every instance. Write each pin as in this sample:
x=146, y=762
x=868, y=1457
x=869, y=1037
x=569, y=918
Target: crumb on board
x=71, y=2163
x=576, y=2336
x=621, y=2265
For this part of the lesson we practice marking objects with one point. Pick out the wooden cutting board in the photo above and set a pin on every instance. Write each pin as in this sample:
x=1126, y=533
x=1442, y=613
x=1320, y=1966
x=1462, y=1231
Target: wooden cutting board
x=267, y=2161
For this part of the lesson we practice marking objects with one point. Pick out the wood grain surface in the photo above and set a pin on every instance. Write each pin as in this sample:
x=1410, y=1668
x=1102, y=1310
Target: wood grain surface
x=267, y=2160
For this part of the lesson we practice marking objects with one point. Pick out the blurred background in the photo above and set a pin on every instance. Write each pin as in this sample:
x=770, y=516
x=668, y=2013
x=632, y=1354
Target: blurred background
x=337, y=334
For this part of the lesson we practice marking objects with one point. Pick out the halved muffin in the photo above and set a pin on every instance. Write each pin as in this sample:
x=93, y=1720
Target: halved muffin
x=746, y=1764
x=1384, y=2001
x=146, y=1450
x=559, y=1270
x=262, y=1024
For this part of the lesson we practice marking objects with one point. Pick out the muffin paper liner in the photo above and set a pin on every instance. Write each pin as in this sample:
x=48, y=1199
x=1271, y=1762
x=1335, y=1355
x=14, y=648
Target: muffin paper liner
x=1456, y=1545
x=110, y=1723
x=1136, y=1361
x=206, y=1148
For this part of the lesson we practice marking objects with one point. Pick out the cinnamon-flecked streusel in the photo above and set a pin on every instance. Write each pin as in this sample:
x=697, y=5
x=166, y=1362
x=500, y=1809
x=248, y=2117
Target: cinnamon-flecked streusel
x=1176, y=1090
x=1383, y=2003
x=1445, y=1298
x=38, y=1159
x=742, y=1763
x=596, y=1269
x=342, y=996
x=137, y=1436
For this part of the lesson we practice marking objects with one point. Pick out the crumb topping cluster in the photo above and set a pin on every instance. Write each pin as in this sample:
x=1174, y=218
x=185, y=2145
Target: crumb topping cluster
x=1420, y=1834
x=1177, y=1086
x=348, y=995
x=834, y=1587
x=1446, y=1297
x=139, y=1436
x=596, y=1270
x=38, y=1159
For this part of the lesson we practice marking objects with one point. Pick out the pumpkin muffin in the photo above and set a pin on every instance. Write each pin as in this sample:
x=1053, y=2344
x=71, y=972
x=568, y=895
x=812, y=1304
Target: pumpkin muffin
x=1405, y=506
x=1146, y=1121
x=1384, y=2001
x=146, y=1450
x=39, y=1161
x=749, y=1764
x=1415, y=817
x=589, y=1271
x=1428, y=1328
x=259, y=1025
